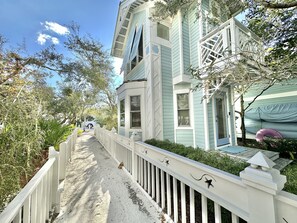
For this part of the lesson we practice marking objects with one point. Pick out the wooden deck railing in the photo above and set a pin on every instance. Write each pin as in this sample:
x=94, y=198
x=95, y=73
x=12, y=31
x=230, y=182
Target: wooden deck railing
x=230, y=38
x=41, y=196
x=190, y=191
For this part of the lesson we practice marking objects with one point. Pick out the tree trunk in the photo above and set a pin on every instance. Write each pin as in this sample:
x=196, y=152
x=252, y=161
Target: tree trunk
x=242, y=114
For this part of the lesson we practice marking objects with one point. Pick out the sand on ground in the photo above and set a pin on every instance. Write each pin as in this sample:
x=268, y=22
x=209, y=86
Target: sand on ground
x=96, y=190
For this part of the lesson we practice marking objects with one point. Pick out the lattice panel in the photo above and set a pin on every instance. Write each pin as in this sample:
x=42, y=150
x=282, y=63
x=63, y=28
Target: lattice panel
x=212, y=49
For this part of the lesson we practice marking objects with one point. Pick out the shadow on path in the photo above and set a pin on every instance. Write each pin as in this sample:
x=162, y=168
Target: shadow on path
x=97, y=191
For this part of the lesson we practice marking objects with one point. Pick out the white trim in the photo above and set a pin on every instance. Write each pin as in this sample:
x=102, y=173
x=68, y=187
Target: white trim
x=228, y=119
x=133, y=88
x=181, y=50
x=191, y=112
x=272, y=96
x=206, y=127
x=181, y=78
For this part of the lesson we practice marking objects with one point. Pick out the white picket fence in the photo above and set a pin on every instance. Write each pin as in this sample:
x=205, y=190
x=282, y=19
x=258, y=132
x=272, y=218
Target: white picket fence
x=190, y=191
x=41, y=196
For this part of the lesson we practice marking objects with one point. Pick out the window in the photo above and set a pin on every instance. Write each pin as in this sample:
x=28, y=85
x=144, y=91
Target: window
x=135, y=112
x=183, y=110
x=136, y=54
x=162, y=31
x=122, y=112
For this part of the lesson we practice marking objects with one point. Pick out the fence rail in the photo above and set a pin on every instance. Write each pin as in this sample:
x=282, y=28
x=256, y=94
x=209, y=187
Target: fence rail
x=189, y=191
x=41, y=196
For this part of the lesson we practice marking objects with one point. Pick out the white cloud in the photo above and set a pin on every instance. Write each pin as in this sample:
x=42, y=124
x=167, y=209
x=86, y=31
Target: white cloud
x=57, y=28
x=117, y=63
x=55, y=40
x=42, y=38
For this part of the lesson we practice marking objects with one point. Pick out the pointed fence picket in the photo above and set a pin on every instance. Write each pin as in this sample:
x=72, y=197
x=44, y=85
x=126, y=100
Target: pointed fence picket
x=189, y=191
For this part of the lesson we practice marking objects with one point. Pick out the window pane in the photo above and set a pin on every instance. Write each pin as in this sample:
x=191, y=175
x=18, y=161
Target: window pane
x=122, y=112
x=135, y=103
x=122, y=106
x=162, y=31
x=122, y=120
x=183, y=118
x=135, y=119
x=183, y=101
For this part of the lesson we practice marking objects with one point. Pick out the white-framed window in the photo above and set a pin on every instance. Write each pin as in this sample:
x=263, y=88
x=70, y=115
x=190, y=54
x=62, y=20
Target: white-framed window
x=122, y=113
x=183, y=110
x=162, y=31
x=135, y=112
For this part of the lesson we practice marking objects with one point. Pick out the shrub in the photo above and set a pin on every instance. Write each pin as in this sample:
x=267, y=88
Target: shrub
x=54, y=133
x=286, y=147
x=226, y=163
x=291, y=172
x=214, y=159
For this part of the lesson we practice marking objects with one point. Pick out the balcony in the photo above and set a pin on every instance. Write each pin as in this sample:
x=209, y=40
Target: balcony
x=230, y=40
x=221, y=52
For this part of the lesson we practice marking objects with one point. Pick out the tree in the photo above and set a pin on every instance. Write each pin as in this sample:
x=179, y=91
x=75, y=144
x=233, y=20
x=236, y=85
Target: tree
x=25, y=99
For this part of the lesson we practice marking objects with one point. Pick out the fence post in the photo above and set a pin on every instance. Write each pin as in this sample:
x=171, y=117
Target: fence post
x=134, y=137
x=113, y=144
x=63, y=161
x=263, y=183
x=55, y=180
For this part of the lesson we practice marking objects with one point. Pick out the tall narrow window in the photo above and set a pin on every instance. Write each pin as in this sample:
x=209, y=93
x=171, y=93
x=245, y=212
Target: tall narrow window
x=183, y=110
x=135, y=111
x=122, y=112
x=162, y=31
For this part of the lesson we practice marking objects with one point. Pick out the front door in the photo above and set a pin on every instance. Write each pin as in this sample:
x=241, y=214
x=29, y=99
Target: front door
x=221, y=119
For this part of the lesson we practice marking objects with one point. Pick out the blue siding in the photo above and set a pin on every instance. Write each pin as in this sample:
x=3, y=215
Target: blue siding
x=186, y=44
x=184, y=136
x=198, y=119
x=167, y=94
x=137, y=73
x=194, y=36
x=175, y=47
x=204, y=7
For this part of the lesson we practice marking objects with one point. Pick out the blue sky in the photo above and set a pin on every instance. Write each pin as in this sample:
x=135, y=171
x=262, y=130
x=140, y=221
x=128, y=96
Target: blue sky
x=41, y=22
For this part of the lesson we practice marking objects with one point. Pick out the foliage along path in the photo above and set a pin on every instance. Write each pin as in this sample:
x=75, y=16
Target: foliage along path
x=96, y=190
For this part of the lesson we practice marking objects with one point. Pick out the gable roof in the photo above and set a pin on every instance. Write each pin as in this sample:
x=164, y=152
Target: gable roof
x=126, y=8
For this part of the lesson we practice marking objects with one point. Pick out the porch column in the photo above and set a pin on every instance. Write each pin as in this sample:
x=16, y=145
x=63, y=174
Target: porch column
x=263, y=184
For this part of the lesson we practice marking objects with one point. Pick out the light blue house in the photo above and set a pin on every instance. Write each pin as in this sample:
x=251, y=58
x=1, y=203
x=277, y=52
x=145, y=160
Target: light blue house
x=156, y=97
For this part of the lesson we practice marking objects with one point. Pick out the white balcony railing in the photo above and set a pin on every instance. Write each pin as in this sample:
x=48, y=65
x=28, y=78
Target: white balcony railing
x=229, y=39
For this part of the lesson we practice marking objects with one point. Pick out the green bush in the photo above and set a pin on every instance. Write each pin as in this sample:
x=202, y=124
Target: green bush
x=291, y=172
x=214, y=159
x=228, y=164
x=286, y=147
x=54, y=133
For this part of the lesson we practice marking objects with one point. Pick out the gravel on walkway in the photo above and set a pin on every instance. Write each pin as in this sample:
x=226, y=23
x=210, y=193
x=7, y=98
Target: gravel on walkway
x=96, y=190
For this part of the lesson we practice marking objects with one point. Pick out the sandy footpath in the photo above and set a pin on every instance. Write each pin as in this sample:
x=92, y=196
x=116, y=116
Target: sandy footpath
x=97, y=191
